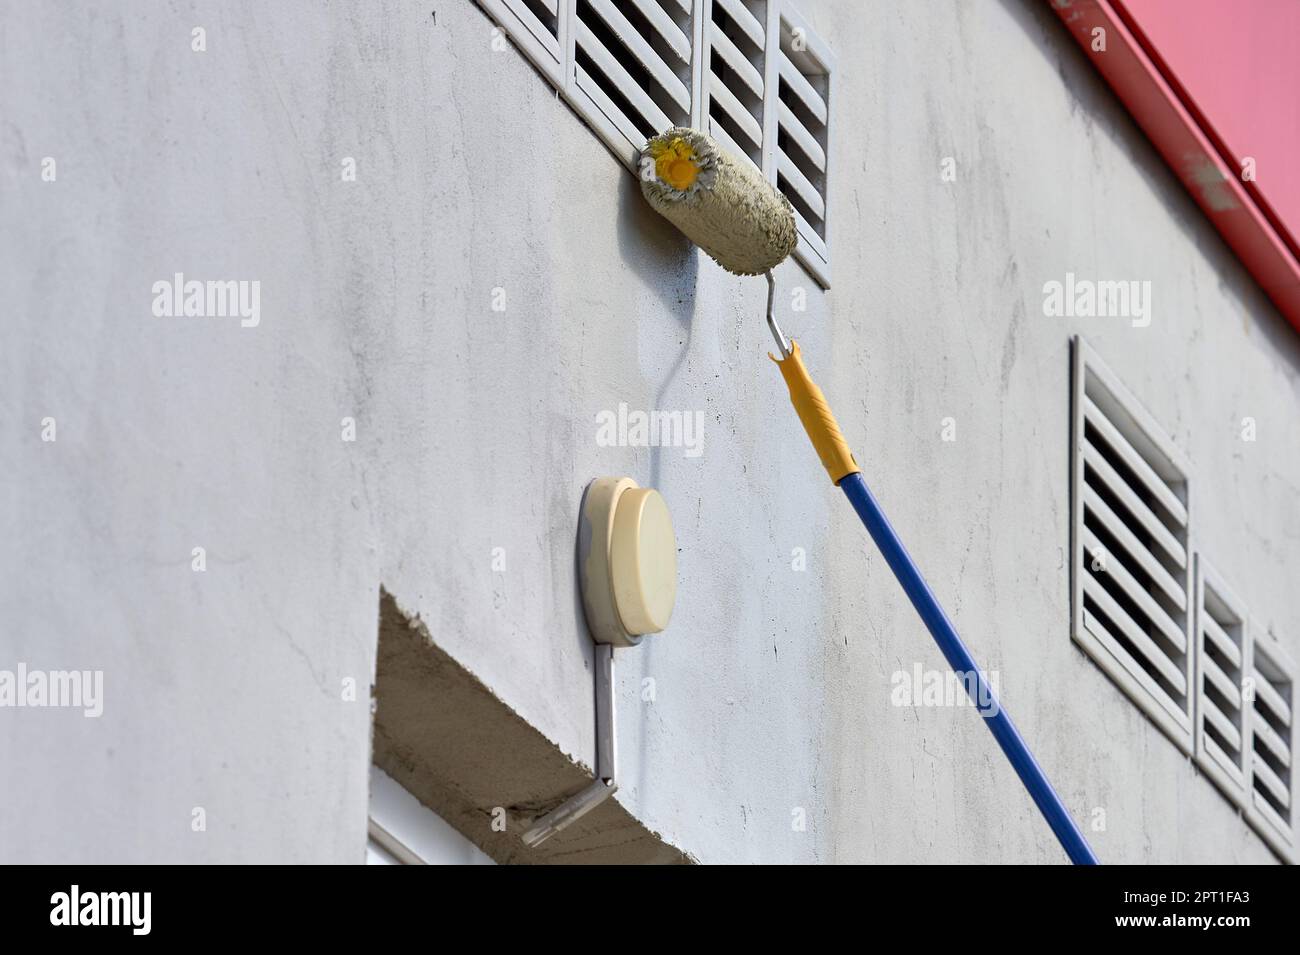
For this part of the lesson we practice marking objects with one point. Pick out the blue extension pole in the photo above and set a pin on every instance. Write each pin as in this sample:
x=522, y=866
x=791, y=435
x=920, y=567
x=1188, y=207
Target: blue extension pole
x=960, y=659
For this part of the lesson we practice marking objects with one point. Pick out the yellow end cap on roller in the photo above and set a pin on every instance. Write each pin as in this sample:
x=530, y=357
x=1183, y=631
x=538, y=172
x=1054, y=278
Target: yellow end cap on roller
x=674, y=162
x=815, y=415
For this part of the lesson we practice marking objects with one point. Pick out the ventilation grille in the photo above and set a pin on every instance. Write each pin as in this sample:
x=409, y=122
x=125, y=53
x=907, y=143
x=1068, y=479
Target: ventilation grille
x=749, y=72
x=634, y=60
x=1131, y=565
x=1222, y=713
x=802, y=107
x=1130, y=584
x=1272, y=755
x=734, y=83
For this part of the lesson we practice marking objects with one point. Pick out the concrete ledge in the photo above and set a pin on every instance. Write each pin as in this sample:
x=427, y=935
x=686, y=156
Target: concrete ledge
x=444, y=736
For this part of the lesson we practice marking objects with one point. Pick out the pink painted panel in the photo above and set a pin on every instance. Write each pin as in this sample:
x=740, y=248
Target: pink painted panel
x=1236, y=63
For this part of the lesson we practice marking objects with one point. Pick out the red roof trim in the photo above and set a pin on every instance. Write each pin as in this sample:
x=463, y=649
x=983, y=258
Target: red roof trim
x=1189, y=146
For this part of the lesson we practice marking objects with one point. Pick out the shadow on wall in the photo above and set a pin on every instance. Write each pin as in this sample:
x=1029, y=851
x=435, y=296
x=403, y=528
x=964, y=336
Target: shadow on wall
x=670, y=265
x=653, y=248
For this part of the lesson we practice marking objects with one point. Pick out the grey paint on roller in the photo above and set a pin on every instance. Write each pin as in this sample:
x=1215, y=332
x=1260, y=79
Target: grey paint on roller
x=731, y=212
x=476, y=430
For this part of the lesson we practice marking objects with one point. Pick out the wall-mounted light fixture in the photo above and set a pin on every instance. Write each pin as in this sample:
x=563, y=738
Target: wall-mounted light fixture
x=627, y=567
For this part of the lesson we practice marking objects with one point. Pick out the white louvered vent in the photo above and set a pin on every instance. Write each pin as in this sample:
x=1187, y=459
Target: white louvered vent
x=1222, y=734
x=751, y=73
x=734, y=83
x=1273, y=752
x=633, y=61
x=538, y=27
x=800, y=71
x=1131, y=567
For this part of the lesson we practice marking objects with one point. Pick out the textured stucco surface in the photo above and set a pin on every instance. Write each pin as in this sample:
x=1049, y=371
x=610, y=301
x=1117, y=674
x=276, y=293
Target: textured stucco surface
x=476, y=430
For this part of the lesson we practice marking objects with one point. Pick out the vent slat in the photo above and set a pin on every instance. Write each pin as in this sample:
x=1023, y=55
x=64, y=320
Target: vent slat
x=719, y=132
x=806, y=190
x=797, y=131
x=607, y=105
x=1135, y=635
x=746, y=70
x=735, y=109
x=809, y=235
x=637, y=45
x=542, y=32
x=1227, y=729
x=1219, y=637
x=535, y=25
x=1145, y=680
x=1264, y=774
x=747, y=22
x=1152, y=481
x=1134, y=504
x=685, y=6
x=1268, y=812
x=672, y=34
x=1135, y=548
x=620, y=77
x=1264, y=693
x=1217, y=752
x=1137, y=593
x=801, y=88
x=1274, y=743
x=1222, y=682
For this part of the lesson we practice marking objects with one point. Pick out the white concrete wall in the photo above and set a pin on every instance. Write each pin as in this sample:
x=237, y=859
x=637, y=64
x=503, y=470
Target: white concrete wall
x=476, y=430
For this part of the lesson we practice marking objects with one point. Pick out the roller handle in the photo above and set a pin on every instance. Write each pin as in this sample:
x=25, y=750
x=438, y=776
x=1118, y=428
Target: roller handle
x=816, y=417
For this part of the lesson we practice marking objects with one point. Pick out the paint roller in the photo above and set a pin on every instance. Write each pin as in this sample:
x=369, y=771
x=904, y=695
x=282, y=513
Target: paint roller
x=726, y=207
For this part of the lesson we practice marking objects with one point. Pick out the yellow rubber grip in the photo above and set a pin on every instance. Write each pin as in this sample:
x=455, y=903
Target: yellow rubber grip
x=815, y=415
